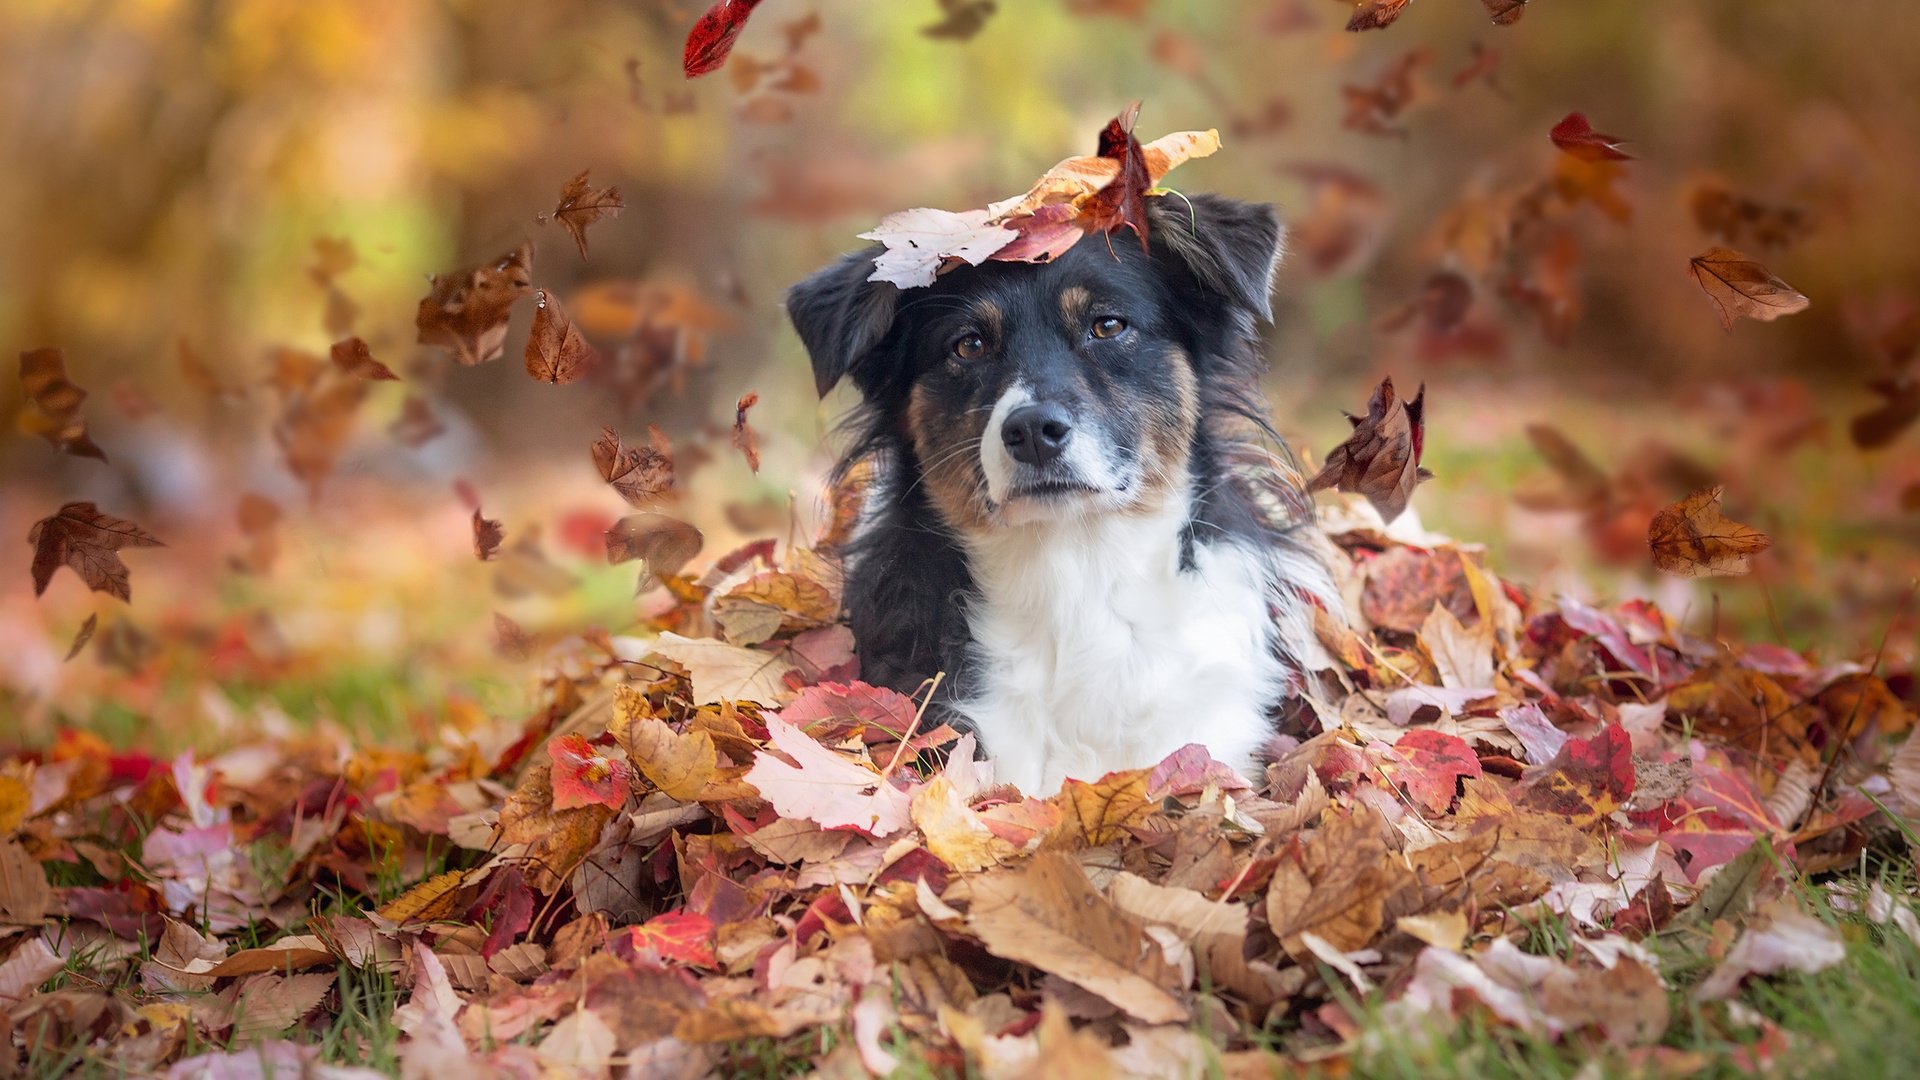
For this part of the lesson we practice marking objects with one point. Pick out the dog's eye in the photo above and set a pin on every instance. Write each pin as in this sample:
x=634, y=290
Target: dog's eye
x=1109, y=326
x=969, y=346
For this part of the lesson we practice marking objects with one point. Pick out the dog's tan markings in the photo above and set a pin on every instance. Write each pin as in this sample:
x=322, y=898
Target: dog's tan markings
x=993, y=323
x=1170, y=428
x=949, y=461
x=1074, y=302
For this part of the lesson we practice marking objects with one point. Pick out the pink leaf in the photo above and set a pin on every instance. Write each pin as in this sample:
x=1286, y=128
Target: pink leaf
x=824, y=787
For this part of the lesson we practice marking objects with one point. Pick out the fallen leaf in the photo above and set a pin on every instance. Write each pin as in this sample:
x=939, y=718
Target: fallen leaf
x=1739, y=286
x=25, y=895
x=86, y=541
x=55, y=415
x=824, y=787
x=1692, y=538
x=680, y=764
x=556, y=351
x=723, y=672
x=680, y=936
x=465, y=312
x=1381, y=459
x=1574, y=135
x=1782, y=938
x=642, y=475
x=583, y=775
x=581, y=206
x=745, y=439
x=270, y=1004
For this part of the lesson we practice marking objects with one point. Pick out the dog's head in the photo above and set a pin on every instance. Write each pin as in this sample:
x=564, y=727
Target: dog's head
x=1031, y=393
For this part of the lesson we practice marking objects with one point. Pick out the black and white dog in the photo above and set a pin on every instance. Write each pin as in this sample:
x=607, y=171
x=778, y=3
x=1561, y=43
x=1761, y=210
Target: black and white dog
x=1062, y=519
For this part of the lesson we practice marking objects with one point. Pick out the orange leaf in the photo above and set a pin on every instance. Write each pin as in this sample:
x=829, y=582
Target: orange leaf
x=584, y=776
x=1692, y=538
x=1740, y=287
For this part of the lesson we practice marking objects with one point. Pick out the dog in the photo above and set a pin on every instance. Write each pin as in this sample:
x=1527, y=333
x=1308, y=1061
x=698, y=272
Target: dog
x=1072, y=513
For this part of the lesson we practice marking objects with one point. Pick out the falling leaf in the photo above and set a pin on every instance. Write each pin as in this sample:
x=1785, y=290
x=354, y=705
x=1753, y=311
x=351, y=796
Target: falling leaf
x=711, y=39
x=556, y=352
x=1372, y=108
x=1505, y=12
x=824, y=787
x=745, y=439
x=1376, y=14
x=1381, y=459
x=1879, y=427
x=85, y=635
x=259, y=521
x=918, y=241
x=664, y=543
x=1735, y=218
x=55, y=412
x=510, y=639
x=1692, y=538
x=1741, y=287
x=487, y=535
x=581, y=206
x=961, y=19
x=584, y=775
x=85, y=541
x=1574, y=135
x=642, y=475
x=1122, y=203
x=1049, y=915
x=416, y=425
x=353, y=357
x=465, y=312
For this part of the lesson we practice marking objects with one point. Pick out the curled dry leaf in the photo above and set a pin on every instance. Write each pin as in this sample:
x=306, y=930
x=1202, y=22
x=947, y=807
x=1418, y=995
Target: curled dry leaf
x=55, y=411
x=1505, y=12
x=85, y=635
x=1376, y=14
x=354, y=357
x=465, y=312
x=1740, y=287
x=487, y=535
x=259, y=521
x=961, y=20
x=712, y=37
x=665, y=543
x=1381, y=460
x=1692, y=538
x=1122, y=203
x=1574, y=135
x=643, y=475
x=556, y=351
x=581, y=206
x=86, y=541
x=745, y=439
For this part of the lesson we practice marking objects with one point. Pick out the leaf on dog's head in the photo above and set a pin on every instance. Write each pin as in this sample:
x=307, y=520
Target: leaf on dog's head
x=1381, y=459
x=1740, y=287
x=745, y=439
x=86, y=541
x=1692, y=538
x=712, y=37
x=918, y=241
x=581, y=206
x=1574, y=135
x=55, y=415
x=1075, y=179
x=1122, y=203
x=465, y=312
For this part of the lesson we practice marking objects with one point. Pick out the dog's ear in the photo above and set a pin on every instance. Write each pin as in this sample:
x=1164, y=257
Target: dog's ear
x=841, y=316
x=1231, y=247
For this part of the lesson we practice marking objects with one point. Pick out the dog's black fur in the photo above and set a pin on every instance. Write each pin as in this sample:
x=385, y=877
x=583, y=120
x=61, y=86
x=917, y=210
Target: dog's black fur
x=1195, y=297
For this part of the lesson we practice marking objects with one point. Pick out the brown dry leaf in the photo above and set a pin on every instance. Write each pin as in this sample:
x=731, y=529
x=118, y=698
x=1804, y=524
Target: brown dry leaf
x=487, y=535
x=85, y=541
x=1372, y=108
x=1692, y=538
x=259, y=521
x=556, y=839
x=25, y=895
x=270, y=1004
x=682, y=765
x=1334, y=883
x=84, y=635
x=1880, y=426
x=432, y=899
x=1075, y=179
x=465, y=312
x=665, y=543
x=1102, y=811
x=772, y=603
x=1376, y=14
x=55, y=412
x=723, y=672
x=581, y=206
x=510, y=639
x=1505, y=12
x=1049, y=915
x=1122, y=202
x=1381, y=459
x=1741, y=287
x=954, y=833
x=315, y=427
x=642, y=475
x=556, y=351
x=353, y=357
x=745, y=439
x=416, y=425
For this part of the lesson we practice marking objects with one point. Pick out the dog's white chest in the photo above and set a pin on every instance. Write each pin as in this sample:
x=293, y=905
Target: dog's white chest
x=1094, y=652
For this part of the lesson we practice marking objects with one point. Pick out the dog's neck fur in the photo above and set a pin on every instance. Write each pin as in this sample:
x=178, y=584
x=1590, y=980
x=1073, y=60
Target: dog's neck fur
x=1109, y=640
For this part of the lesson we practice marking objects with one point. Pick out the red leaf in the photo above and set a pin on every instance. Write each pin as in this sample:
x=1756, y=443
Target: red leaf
x=487, y=535
x=744, y=438
x=1434, y=764
x=87, y=541
x=678, y=936
x=888, y=711
x=1123, y=202
x=1381, y=459
x=1577, y=137
x=1590, y=779
x=584, y=776
x=511, y=902
x=712, y=37
x=1188, y=771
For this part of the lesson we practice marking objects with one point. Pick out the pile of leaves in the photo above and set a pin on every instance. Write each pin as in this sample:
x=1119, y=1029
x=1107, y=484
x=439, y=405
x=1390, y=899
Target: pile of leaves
x=713, y=844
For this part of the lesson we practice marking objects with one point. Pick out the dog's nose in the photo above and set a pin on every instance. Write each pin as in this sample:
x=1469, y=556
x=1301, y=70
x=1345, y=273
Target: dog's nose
x=1036, y=434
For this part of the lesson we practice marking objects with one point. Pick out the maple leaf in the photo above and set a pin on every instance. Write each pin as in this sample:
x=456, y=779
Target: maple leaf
x=556, y=351
x=1589, y=779
x=641, y=474
x=487, y=535
x=919, y=240
x=711, y=38
x=55, y=415
x=1376, y=14
x=584, y=776
x=1740, y=287
x=745, y=439
x=465, y=312
x=1123, y=201
x=1575, y=136
x=85, y=541
x=961, y=20
x=581, y=206
x=354, y=357
x=683, y=937
x=1505, y=12
x=824, y=787
x=1074, y=180
x=1692, y=538
x=665, y=543
x=1431, y=766
x=723, y=672
x=1381, y=459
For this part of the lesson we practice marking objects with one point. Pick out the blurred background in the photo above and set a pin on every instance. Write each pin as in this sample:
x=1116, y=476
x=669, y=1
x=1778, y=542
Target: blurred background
x=202, y=197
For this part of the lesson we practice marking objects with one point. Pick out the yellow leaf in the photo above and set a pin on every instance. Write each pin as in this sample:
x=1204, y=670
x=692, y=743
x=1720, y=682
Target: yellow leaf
x=430, y=900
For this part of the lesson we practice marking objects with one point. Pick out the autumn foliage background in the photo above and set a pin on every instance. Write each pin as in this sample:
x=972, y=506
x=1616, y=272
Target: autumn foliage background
x=180, y=170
